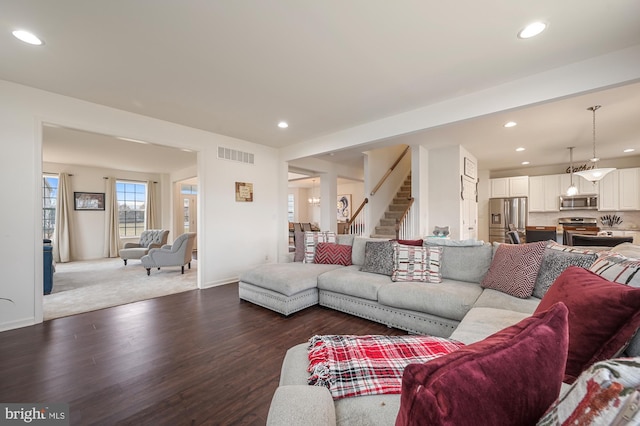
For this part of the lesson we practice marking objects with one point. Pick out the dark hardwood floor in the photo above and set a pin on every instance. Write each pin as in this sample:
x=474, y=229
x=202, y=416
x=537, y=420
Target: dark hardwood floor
x=201, y=357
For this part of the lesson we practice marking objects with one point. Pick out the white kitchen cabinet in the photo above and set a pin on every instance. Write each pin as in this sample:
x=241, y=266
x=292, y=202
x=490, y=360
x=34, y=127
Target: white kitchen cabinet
x=619, y=190
x=510, y=187
x=628, y=180
x=544, y=192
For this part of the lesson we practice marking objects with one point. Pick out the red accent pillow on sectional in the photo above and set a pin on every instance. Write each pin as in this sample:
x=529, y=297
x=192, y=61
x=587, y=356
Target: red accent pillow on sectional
x=510, y=378
x=410, y=242
x=603, y=316
x=333, y=254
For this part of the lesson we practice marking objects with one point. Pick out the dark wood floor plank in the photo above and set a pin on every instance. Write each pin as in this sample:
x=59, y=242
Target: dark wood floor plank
x=201, y=357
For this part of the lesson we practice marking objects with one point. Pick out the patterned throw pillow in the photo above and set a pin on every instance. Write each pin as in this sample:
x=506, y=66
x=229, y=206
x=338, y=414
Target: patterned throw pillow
x=617, y=268
x=378, y=257
x=333, y=254
x=412, y=263
x=514, y=268
x=602, y=395
x=311, y=239
x=556, y=259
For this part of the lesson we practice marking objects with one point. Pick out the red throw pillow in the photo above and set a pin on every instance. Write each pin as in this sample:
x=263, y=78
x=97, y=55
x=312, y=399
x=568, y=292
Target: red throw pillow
x=510, y=378
x=603, y=316
x=333, y=254
x=410, y=242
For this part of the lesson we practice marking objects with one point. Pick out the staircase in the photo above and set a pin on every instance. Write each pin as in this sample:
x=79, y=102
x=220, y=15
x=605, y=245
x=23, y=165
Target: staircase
x=387, y=226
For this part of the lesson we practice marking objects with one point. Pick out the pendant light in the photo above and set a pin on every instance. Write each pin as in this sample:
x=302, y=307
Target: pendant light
x=595, y=174
x=313, y=200
x=572, y=190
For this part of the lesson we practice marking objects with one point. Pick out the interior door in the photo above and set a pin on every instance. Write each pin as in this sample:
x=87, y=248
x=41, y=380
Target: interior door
x=469, y=211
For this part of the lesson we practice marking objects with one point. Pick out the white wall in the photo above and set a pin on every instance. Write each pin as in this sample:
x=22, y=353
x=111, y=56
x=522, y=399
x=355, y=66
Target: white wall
x=232, y=236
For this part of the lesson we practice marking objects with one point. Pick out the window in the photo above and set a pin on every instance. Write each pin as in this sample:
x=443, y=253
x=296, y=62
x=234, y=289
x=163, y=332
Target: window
x=49, y=194
x=132, y=197
x=290, y=207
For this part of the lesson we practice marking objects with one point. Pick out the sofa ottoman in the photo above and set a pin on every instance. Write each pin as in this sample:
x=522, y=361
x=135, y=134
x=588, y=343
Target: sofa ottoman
x=283, y=287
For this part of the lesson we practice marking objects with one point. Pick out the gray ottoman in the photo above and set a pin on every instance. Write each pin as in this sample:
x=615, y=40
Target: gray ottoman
x=283, y=287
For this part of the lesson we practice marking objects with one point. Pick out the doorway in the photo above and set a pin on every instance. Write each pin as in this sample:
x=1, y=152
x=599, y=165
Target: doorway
x=186, y=208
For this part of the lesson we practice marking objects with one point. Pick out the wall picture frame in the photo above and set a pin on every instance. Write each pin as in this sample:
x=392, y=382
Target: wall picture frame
x=344, y=207
x=88, y=201
x=244, y=192
x=470, y=169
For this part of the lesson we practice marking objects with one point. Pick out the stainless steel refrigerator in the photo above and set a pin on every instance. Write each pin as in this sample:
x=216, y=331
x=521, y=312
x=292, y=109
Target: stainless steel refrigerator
x=504, y=212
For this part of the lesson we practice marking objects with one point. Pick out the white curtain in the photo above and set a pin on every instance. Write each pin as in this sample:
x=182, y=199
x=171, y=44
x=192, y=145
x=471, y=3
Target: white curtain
x=151, y=209
x=111, y=230
x=61, y=240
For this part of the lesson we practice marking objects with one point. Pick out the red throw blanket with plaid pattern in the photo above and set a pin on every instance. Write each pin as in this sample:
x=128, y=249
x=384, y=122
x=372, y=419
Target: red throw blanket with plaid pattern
x=369, y=365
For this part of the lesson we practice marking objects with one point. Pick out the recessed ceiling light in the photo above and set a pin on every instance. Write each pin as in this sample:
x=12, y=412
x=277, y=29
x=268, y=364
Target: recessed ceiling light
x=510, y=124
x=629, y=150
x=27, y=37
x=519, y=149
x=524, y=163
x=283, y=124
x=532, y=30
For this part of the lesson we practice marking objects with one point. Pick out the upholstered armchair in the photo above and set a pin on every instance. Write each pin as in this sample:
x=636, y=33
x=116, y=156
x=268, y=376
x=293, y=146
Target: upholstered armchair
x=177, y=254
x=151, y=238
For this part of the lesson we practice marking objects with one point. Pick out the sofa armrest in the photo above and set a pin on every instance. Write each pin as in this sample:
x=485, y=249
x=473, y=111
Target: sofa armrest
x=302, y=405
x=131, y=245
x=154, y=245
x=166, y=247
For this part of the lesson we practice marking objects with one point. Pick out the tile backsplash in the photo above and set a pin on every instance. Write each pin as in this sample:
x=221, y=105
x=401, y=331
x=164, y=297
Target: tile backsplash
x=630, y=219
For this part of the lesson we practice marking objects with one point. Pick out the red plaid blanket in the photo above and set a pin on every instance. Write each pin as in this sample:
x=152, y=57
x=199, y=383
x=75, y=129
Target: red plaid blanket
x=369, y=365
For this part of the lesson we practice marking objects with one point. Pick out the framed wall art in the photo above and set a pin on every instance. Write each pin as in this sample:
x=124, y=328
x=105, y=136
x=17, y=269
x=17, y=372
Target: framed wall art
x=470, y=168
x=344, y=207
x=244, y=192
x=88, y=200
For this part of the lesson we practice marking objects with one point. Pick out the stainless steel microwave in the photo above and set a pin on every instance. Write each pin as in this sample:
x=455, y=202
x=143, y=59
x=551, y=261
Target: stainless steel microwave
x=579, y=202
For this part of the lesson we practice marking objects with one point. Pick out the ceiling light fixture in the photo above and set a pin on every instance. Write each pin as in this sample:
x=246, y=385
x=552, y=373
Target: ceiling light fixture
x=629, y=150
x=313, y=200
x=510, y=124
x=594, y=174
x=572, y=190
x=525, y=163
x=283, y=124
x=532, y=30
x=519, y=149
x=27, y=37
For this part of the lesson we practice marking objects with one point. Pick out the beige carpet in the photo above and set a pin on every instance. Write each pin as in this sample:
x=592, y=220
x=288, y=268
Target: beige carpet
x=90, y=285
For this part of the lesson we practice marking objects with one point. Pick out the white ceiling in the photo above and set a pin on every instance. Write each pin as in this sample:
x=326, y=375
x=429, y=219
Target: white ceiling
x=237, y=68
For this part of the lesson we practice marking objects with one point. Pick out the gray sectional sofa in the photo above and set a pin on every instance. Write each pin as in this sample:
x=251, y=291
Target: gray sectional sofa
x=458, y=308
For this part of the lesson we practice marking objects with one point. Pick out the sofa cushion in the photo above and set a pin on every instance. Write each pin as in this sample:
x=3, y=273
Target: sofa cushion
x=496, y=299
x=353, y=282
x=359, y=245
x=448, y=299
x=617, y=268
x=603, y=316
x=477, y=383
x=378, y=257
x=555, y=260
x=600, y=396
x=286, y=278
x=481, y=323
x=514, y=268
x=311, y=240
x=333, y=254
x=463, y=262
x=415, y=263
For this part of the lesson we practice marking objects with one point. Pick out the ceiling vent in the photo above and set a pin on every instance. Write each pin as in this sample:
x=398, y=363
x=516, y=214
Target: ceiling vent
x=235, y=155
